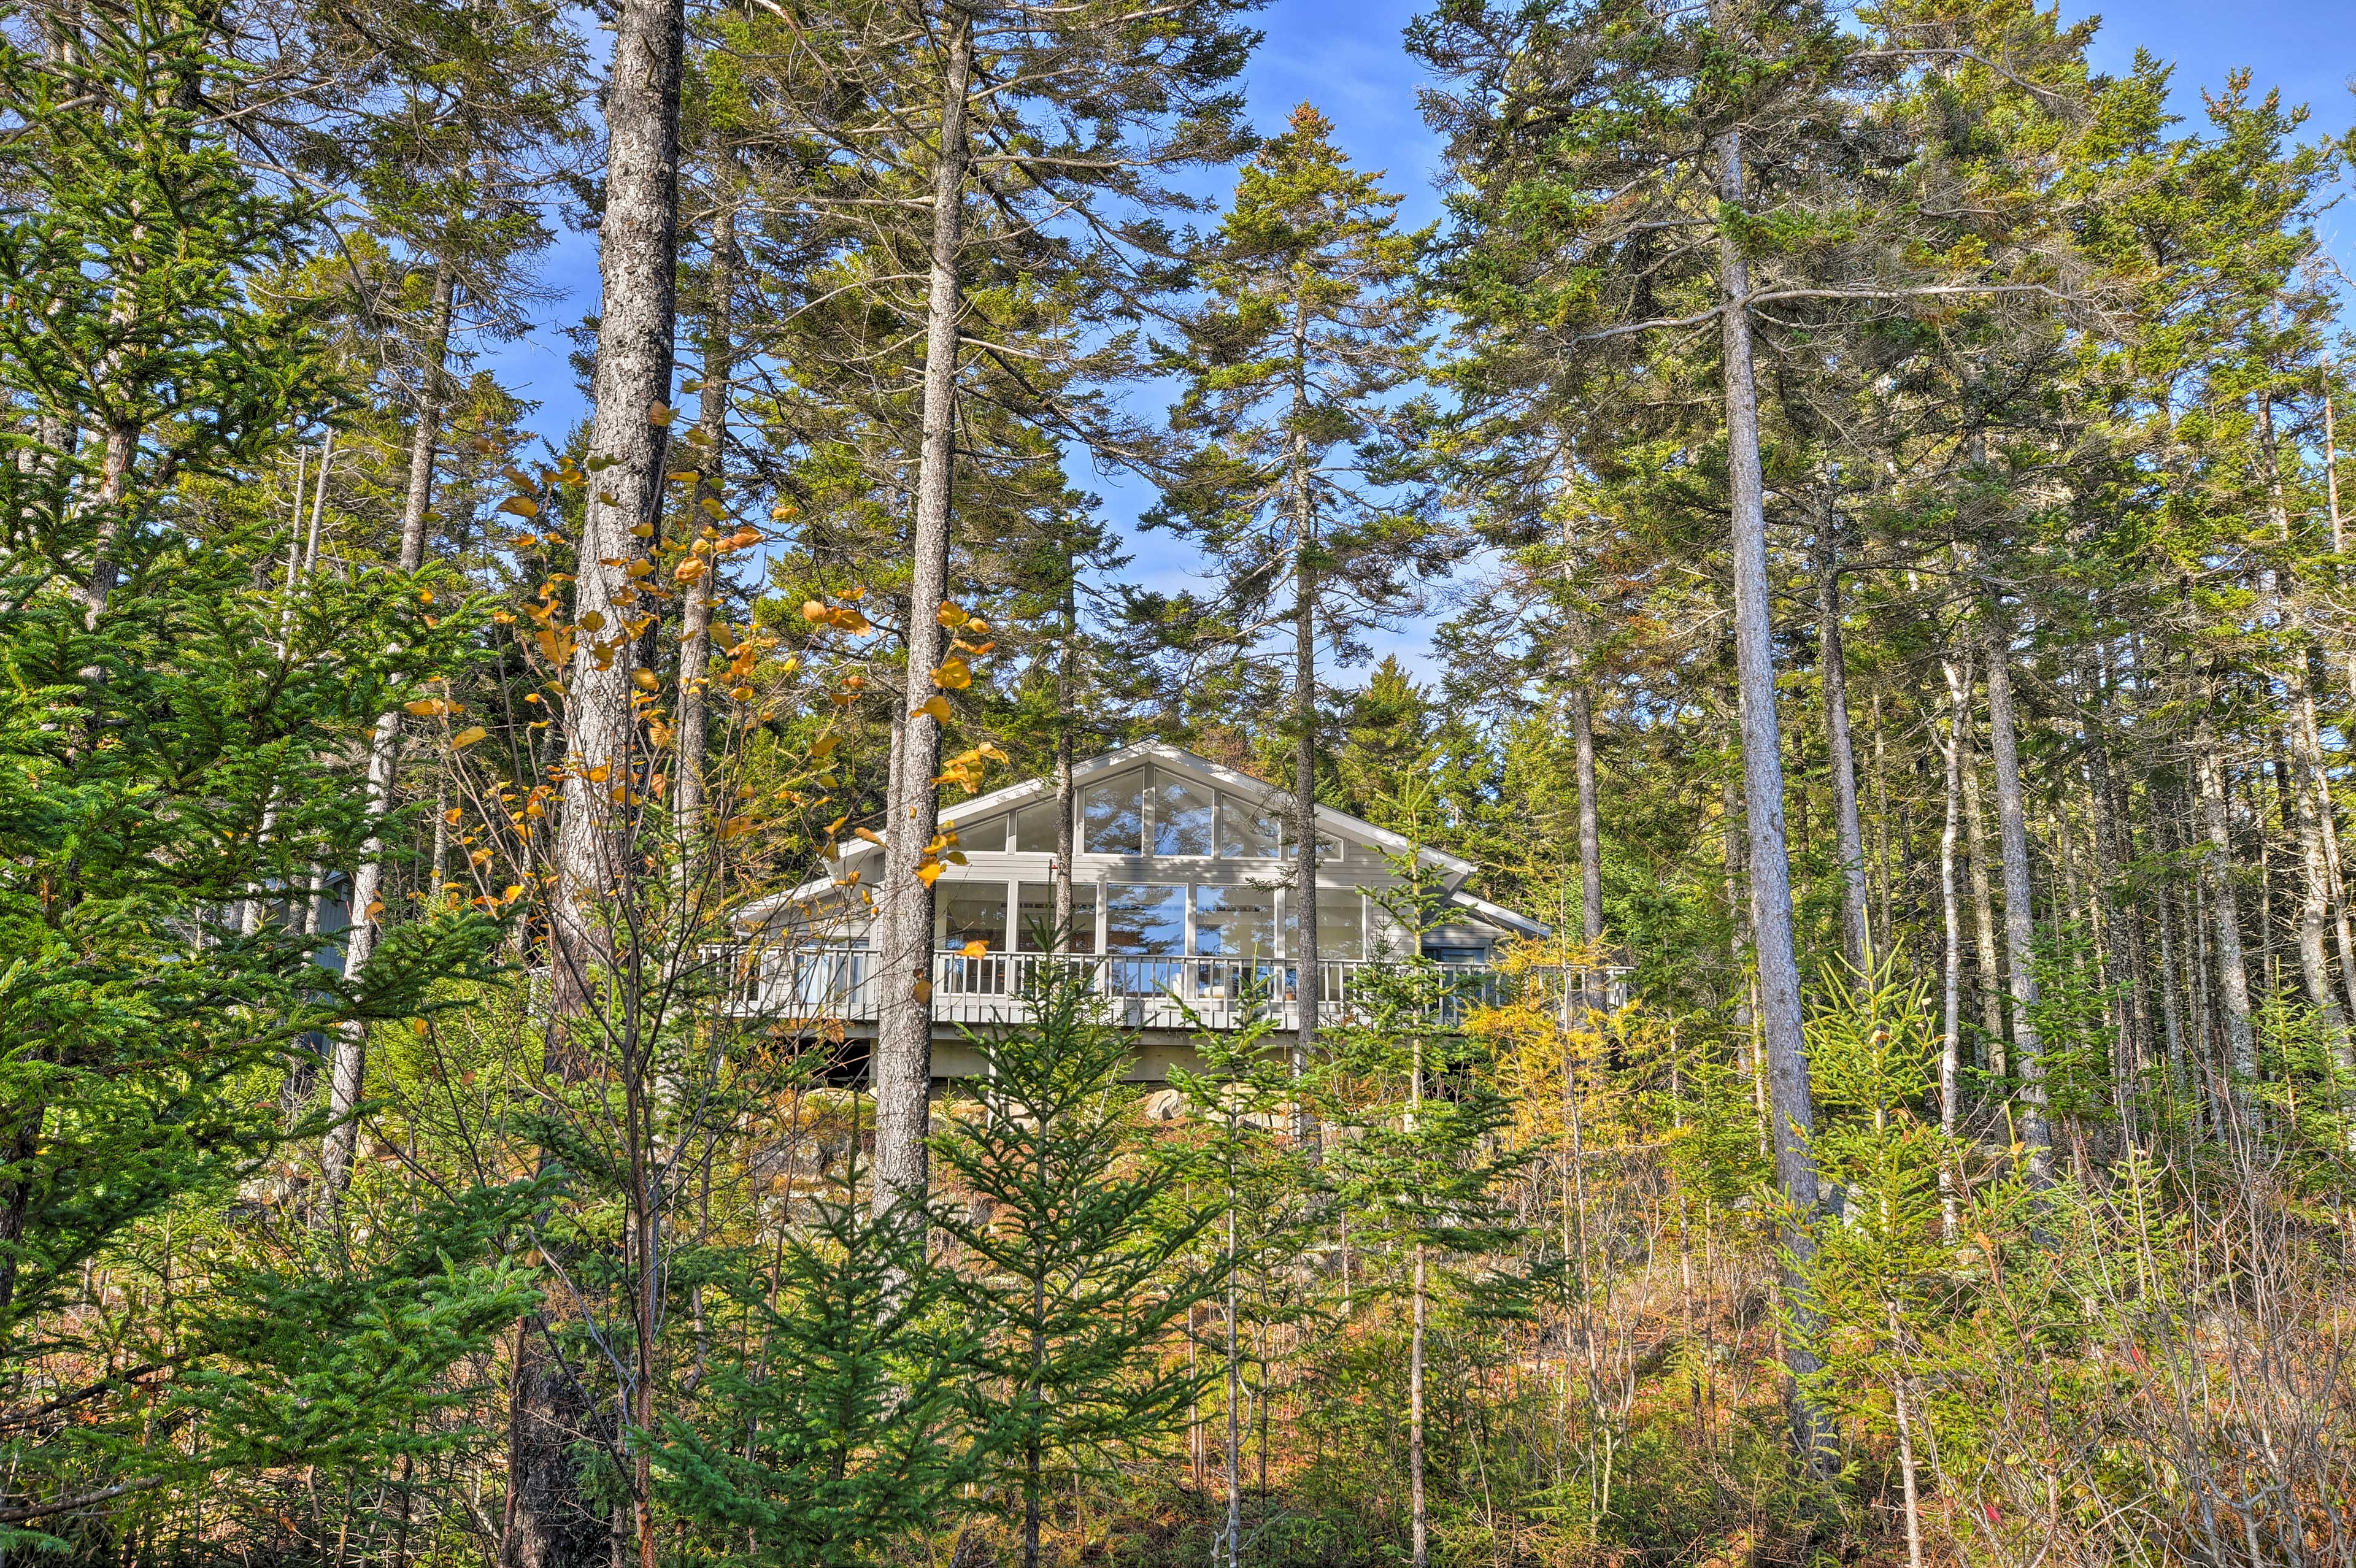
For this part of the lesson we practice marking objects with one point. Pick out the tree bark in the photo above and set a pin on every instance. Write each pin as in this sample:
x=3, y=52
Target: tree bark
x=1856, y=935
x=347, y=1078
x=2226, y=907
x=1988, y=978
x=691, y=740
x=1590, y=830
x=1303, y=951
x=2019, y=927
x=904, y=1036
x=1791, y=1104
x=1959, y=692
x=595, y=892
x=1066, y=693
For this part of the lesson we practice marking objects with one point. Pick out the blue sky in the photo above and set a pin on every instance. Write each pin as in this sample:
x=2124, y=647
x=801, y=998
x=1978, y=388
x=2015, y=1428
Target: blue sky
x=1344, y=55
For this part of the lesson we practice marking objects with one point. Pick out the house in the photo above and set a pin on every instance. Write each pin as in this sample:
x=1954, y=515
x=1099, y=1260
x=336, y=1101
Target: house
x=1180, y=898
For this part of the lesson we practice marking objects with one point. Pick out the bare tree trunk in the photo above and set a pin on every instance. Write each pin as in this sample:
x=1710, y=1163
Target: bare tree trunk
x=347, y=1078
x=2019, y=928
x=637, y=258
x=691, y=740
x=2225, y=903
x=1988, y=978
x=1303, y=951
x=1857, y=935
x=1067, y=693
x=1590, y=830
x=1959, y=692
x=1791, y=1103
x=2121, y=919
x=904, y=1036
x=604, y=789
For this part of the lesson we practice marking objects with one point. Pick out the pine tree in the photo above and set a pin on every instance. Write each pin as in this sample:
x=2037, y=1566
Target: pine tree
x=1076, y=1281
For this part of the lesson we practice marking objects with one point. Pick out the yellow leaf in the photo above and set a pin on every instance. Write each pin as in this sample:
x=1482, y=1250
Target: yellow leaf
x=711, y=505
x=659, y=412
x=642, y=531
x=431, y=707
x=512, y=891
x=591, y=620
x=521, y=506
x=782, y=513
x=954, y=675
x=467, y=736
x=929, y=874
x=950, y=613
x=737, y=826
x=849, y=620
x=812, y=611
x=375, y=908
x=867, y=833
x=525, y=541
x=922, y=990
x=824, y=744
x=974, y=949
x=688, y=571
x=936, y=704
x=685, y=476
x=643, y=679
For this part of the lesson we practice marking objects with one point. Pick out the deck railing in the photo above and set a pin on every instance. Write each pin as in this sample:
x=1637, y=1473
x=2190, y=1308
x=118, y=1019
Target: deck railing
x=841, y=984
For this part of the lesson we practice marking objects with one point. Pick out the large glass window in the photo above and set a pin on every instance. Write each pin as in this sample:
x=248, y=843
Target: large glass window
x=1182, y=816
x=1145, y=920
x=1340, y=926
x=974, y=912
x=1034, y=828
x=1235, y=923
x=1038, y=912
x=1248, y=829
x=1113, y=815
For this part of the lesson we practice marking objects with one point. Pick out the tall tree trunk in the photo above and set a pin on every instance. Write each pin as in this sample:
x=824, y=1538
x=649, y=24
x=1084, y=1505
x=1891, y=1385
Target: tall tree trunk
x=1303, y=951
x=904, y=1036
x=2226, y=907
x=2121, y=919
x=1590, y=830
x=1959, y=691
x=1988, y=978
x=1856, y=935
x=2019, y=926
x=1067, y=693
x=1791, y=1103
x=691, y=739
x=604, y=789
x=347, y=1078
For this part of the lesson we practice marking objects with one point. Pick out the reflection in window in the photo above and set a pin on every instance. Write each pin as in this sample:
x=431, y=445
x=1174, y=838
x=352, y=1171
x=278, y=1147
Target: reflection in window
x=1038, y=914
x=1182, y=816
x=974, y=912
x=1235, y=923
x=1248, y=829
x=1145, y=921
x=1341, y=928
x=1035, y=830
x=988, y=834
x=1113, y=815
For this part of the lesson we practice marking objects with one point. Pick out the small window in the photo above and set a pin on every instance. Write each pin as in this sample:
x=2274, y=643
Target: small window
x=1113, y=816
x=974, y=912
x=1182, y=816
x=1250, y=829
x=1038, y=914
x=1034, y=828
x=1145, y=921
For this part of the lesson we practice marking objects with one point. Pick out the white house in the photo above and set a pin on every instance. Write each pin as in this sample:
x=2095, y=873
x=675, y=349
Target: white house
x=1180, y=896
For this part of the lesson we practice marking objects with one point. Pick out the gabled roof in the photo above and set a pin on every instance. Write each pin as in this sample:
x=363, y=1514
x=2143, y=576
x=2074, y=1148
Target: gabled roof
x=1453, y=869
